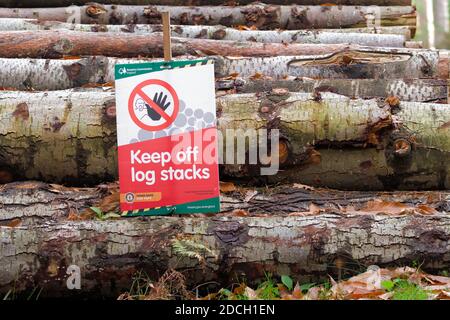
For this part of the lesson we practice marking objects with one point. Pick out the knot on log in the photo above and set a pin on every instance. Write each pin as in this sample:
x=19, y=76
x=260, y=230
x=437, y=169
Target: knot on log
x=21, y=112
x=153, y=15
x=262, y=17
x=399, y=150
x=73, y=70
x=402, y=148
x=300, y=16
x=95, y=10
x=219, y=34
x=63, y=46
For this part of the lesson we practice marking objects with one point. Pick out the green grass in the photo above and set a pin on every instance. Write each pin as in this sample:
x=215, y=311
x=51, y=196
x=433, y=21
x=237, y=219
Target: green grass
x=404, y=290
x=268, y=289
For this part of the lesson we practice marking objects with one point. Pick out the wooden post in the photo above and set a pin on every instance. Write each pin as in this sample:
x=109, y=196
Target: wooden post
x=166, y=36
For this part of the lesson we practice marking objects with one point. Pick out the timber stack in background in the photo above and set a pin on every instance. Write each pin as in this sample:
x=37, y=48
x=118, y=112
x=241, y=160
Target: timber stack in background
x=359, y=104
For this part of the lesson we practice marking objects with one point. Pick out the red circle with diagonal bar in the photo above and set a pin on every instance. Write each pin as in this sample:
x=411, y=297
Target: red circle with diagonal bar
x=139, y=92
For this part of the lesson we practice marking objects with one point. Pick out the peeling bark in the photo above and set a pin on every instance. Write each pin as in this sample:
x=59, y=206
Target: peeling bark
x=219, y=33
x=258, y=15
x=76, y=131
x=416, y=90
x=307, y=248
x=55, y=3
x=368, y=64
x=35, y=202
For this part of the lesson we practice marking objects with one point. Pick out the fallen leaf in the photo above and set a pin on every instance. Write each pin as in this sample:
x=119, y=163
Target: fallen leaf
x=251, y=294
x=239, y=213
x=303, y=186
x=313, y=210
x=110, y=203
x=14, y=223
x=73, y=215
x=227, y=187
x=297, y=292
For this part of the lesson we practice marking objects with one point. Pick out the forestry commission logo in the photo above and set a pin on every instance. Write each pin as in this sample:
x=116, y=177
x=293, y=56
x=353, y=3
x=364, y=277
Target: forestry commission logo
x=123, y=71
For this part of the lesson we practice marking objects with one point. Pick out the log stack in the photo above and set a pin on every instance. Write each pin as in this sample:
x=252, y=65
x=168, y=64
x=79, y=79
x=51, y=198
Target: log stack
x=359, y=104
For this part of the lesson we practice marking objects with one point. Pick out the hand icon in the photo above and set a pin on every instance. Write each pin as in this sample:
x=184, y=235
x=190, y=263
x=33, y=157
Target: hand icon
x=160, y=100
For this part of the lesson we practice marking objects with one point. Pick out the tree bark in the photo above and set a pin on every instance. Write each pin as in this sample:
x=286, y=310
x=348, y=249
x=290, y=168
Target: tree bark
x=61, y=3
x=218, y=33
x=258, y=15
x=77, y=131
x=60, y=43
x=368, y=64
x=308, y=248
x=42, y=74
x=17, y=24
x=32, y=74
x=416, y=90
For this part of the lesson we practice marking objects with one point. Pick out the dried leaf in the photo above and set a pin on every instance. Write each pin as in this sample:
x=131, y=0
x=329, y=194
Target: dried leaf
x=14, y=223
x=251, y=294
x=227, y=187
x=313, y=210
x=297, y=292
x=110, y=203
x=73, y=215
x=239, y=213
x=303, y=186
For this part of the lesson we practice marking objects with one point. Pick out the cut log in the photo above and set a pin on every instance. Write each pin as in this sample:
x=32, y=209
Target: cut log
x=36, y=202
x=77, y=131
x=213, y=32
x=308, y=248
x=61, y=3
x=418, y=90
x=42, y=74
x=59, y=43
x=218, y=33
x=258, y=15
x=34, y=74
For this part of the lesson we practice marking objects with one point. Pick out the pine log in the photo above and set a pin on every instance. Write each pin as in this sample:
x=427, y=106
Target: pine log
x=73, y=139
x=333, y=60
x=308, y=248
x=218, y=33
x=60, y=43
x=415, y=90
x=56, y=3
x=258, y=15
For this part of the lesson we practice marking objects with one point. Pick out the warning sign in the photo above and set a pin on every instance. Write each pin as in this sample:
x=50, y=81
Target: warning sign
x=148, y=113
x=167, y=137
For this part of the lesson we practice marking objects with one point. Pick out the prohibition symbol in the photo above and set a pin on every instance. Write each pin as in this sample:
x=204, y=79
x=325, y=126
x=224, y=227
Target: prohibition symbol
x=152, y=114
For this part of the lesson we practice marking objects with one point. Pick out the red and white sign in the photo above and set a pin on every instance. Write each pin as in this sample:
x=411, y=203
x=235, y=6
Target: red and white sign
x=167, y=137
